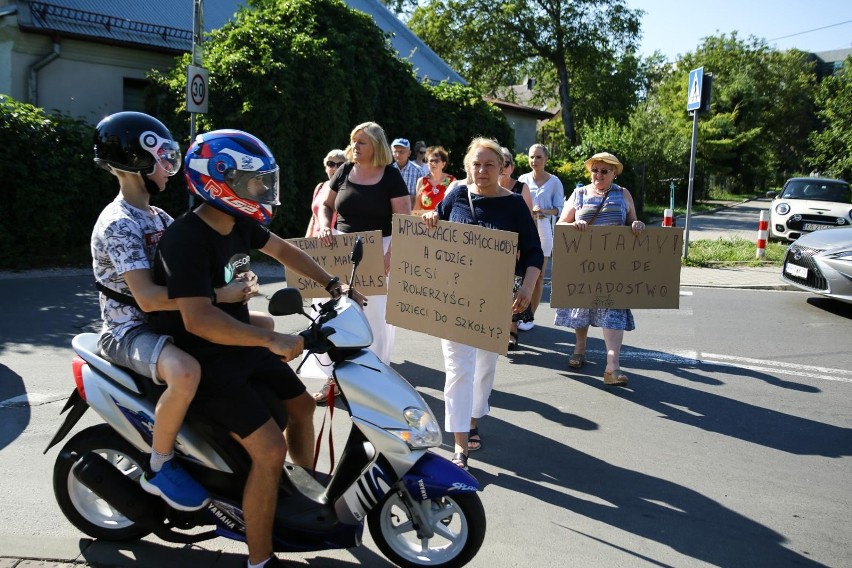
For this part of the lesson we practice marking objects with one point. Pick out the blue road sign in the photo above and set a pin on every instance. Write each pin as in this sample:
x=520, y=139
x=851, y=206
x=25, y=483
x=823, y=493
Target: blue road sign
x=693, y=98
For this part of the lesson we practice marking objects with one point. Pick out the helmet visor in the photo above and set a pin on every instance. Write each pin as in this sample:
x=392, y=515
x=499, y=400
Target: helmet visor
x=168, y=156
x=261, y=187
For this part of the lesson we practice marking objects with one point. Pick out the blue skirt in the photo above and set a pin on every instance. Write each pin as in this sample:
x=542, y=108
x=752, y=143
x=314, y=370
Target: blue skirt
x=597, y=317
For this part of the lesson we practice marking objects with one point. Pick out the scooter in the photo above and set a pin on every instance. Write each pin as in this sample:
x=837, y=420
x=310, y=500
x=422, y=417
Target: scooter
x=421, y=509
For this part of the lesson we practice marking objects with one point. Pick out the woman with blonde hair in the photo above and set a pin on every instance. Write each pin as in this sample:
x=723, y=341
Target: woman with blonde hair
x=333, y=160
x=470, y=371
x=365, y=193
x=548, y=198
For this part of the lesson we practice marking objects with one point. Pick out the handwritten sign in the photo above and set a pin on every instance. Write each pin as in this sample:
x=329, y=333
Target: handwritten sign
x=609, y=267
x=453, y=281
x=370, y=279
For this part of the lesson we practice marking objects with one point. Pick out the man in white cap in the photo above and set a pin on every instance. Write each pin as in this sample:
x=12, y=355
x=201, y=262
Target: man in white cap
x=411, y=172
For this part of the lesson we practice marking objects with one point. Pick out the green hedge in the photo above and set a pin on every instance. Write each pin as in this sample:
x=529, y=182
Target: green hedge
x=299, y=75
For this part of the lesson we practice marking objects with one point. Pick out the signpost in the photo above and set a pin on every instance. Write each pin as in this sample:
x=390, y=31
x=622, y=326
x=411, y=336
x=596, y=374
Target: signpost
x=697, y=100
x=196, y=75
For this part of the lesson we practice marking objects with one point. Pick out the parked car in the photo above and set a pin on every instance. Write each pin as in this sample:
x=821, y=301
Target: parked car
x=809, y=204
x=821, y=262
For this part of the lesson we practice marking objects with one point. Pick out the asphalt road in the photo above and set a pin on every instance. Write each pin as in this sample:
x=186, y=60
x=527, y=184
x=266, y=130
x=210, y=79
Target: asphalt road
x=731, y=447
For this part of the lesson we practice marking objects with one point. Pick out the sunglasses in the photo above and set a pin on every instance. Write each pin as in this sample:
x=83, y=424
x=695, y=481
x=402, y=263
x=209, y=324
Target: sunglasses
x=422, y=152
x=331, y=164
x=435, y=160
x=506, y=164
x=602, y=171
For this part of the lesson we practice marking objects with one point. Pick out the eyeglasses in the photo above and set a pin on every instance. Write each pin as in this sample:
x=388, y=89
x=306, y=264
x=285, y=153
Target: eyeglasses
x=331, y=164
x=602, y=171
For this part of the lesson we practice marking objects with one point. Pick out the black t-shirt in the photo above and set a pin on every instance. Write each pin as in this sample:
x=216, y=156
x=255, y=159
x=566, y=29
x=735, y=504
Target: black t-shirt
x=192, y=259
x=366, y=207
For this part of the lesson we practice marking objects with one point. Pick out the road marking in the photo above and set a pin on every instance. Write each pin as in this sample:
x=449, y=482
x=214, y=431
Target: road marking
x=696, y=359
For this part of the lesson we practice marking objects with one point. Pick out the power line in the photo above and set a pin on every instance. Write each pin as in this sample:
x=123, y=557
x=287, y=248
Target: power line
x=809, y=31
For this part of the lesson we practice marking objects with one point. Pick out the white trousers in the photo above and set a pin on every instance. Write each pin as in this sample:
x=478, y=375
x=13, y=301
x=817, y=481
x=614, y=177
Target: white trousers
x=470, y=378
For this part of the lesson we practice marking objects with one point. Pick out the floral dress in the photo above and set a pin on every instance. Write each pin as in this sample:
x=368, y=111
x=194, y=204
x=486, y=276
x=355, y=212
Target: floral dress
x=613, y=212
x=431, y=195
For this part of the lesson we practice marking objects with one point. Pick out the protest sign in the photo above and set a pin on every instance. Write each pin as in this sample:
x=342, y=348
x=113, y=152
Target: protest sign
x=453, y=281
x=370, y=279
x=610, y=267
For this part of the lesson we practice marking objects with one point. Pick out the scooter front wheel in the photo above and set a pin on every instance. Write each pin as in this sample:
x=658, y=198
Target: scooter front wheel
x=458, y=524
x=83, y=507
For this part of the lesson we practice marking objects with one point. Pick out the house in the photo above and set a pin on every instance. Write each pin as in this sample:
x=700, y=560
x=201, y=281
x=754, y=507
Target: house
x=90, y=58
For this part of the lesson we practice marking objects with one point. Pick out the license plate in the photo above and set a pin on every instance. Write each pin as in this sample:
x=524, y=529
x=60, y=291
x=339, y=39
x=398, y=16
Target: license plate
x=795, y=270
x=815, y=227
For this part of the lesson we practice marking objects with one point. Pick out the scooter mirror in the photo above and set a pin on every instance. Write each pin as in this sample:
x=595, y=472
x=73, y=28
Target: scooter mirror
x=286, y=302
x=357, y=251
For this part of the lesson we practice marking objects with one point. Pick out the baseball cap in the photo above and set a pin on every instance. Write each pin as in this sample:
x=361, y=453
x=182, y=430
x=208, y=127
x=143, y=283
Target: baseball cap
x=401, y=142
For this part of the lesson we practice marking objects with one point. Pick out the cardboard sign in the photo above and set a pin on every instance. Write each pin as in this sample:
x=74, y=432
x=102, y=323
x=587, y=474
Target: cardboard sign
x=610, y=267
x=370, y=279
x=453, y=281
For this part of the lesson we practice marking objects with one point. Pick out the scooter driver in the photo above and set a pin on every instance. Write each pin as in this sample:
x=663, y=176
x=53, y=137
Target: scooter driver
x=236, y=177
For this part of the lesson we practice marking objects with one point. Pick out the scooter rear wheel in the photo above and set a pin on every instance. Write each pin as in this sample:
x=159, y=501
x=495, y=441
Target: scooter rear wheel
x=82, y=506
x=458, y=523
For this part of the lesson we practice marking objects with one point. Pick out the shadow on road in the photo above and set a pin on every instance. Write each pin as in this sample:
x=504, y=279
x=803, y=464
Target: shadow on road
x=15, y=415
x=653, y=508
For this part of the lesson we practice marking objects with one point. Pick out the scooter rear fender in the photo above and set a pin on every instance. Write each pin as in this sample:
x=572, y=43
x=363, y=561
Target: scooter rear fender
x=433, y=476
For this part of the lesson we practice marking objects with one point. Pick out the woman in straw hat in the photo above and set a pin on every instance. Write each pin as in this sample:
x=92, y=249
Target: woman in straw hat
x=602, y=202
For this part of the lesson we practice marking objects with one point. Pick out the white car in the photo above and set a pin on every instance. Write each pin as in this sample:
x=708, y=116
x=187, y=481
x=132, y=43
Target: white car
x=821, y=263
x=809, y=204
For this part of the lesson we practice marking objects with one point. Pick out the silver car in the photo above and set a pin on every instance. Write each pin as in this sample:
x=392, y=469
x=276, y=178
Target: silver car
x=821, y=262
x=809, y=204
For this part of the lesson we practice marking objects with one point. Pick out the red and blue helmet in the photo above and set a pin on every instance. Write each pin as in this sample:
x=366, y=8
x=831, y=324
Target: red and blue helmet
x=235, y=172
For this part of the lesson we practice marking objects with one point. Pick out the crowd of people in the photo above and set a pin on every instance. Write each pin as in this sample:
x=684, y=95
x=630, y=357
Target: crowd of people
x=146, y=262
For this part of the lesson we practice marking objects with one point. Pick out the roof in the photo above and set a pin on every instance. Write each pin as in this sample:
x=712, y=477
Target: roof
x=166, y=25
x=519, y=108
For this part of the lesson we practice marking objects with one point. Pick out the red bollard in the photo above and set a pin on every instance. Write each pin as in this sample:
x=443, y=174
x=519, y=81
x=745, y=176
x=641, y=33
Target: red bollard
x=762, y=230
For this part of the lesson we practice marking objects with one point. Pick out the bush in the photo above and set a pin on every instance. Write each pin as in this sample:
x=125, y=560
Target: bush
x=301, y=74
x=54, y=191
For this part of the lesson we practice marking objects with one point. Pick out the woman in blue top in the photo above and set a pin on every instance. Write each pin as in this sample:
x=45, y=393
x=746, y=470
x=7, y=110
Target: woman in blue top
x=470, y=371
x=548, y=198
x=602, y=202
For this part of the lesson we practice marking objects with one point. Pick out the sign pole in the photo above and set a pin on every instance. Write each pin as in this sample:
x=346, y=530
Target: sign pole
x=197, y=38
x=691, y=182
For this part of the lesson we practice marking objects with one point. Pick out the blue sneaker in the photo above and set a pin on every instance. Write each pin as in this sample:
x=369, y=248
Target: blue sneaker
x=175, y=486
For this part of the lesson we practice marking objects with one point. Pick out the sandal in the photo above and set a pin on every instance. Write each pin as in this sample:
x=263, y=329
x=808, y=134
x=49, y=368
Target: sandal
x=577, y=360
x=322, y=396
x=513, y=340
x=474, y=440
x=616, y=378
x=460, y=460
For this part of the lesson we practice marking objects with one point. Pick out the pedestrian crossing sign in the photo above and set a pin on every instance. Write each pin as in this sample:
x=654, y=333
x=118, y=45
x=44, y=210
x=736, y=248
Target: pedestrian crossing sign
x=693, y=99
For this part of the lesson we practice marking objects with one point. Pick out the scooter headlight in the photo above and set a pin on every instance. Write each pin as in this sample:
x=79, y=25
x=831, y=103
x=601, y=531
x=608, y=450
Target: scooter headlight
x=422, y=431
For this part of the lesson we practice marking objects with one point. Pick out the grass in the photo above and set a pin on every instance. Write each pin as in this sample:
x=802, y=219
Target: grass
x=740, y=252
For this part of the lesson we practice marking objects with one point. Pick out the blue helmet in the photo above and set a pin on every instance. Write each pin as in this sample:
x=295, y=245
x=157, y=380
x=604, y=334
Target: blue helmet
x=235, y=172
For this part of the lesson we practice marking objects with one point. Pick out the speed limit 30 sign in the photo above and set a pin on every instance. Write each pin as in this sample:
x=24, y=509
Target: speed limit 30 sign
x=196, y=89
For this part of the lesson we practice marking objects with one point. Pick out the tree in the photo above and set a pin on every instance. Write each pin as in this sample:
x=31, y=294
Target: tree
x=490, y=44
x=831, y=147
x=300, y=74
x=761, y=111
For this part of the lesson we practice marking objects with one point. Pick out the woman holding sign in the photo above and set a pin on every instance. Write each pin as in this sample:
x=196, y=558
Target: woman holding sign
x=365, y=193
x=470, y=371
x=602, y=202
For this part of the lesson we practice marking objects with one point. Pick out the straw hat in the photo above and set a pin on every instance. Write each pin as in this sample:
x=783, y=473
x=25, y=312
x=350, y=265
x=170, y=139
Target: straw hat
x=607, y=158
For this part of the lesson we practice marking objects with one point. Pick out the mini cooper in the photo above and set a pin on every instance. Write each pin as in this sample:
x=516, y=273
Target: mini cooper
x=806, y=205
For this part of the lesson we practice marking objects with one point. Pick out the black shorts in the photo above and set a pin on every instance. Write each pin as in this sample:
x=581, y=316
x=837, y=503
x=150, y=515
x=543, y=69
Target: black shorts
x=227, y=395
